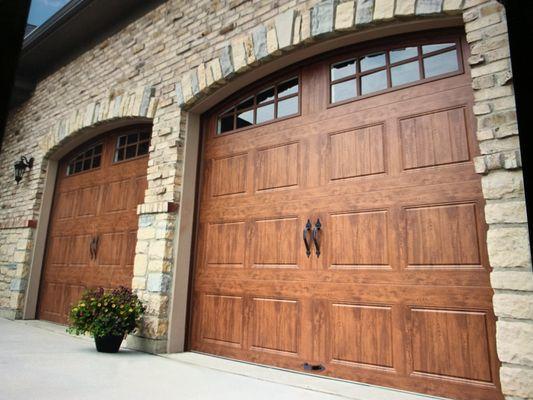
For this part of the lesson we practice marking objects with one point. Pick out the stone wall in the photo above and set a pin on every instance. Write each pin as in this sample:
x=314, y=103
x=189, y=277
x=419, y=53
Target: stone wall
x=15, y=253
x=181, y=52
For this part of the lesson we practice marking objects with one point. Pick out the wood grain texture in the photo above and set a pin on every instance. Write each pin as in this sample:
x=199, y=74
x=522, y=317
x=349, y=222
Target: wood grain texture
x=99, y=203
x=400, y=295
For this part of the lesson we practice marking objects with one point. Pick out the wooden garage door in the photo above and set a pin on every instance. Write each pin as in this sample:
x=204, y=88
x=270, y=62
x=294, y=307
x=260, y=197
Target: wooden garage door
x=368, y=154
x=93, y=226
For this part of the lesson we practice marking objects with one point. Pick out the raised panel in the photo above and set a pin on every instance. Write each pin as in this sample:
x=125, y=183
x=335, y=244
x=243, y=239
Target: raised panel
x=116, y=196
x=275, y=325
x=88, y=201
x=131, y=243
x=444, y=235
x=276, y=243
x=434, y=139
x=79, y=250
x=110, y=248
x=361, y=334
x=59, y=250
x=228, y=175
x=359, y=239
x=222, y=319
x=450, y=343
x=52, y=298
x=225, y=244
x=66, y=204
x=357, y=152
x=277, y=167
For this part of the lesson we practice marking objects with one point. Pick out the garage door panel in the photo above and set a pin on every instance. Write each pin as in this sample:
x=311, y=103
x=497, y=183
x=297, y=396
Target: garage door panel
x=357, y=152
x=443, y=235
x=66, y=204
x=225, y=244
x=115, y=196
x=361, y=334
x=222, y=321
x=228, y=175
x=276, y=242
x=364, y=237
x=278, y=167
x=111, y=249
x=275, y=325
x=436, y=138
x=78, y=250
x=88, y=201
x=451, y=343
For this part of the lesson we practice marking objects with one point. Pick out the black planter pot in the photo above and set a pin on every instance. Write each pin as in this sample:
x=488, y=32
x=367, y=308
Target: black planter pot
x=108, y=344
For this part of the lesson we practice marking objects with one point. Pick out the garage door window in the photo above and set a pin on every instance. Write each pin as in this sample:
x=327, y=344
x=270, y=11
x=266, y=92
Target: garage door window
x=276, y=101
x=88, y=159
x=366, y=74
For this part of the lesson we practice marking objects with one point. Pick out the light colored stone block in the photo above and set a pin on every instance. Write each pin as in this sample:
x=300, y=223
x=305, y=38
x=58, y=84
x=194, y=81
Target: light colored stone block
x=517, y=305
x=503, y=185
x=272, y=42
x=260, y=42
x=202, y=78
x=508, y=212
x=238, y=54
x=214, y=72
x=424, y=7
x=512, y=280
x=383, y=10
x=516, y=381
x=452, y=6
x=405, y=7
x=345, y=16
x=158, y=282
x=508, y=247
x=285, y=28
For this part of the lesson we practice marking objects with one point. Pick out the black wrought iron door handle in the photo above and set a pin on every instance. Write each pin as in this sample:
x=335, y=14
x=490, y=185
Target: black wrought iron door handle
x=93, y=247
x=307, y=231
x=316, y=238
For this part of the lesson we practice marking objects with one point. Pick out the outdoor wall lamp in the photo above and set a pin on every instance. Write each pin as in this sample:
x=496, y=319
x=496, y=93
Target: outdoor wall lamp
x=20, y=167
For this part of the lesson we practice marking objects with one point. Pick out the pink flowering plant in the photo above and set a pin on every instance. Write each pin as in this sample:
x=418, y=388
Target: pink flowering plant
x=104, y=313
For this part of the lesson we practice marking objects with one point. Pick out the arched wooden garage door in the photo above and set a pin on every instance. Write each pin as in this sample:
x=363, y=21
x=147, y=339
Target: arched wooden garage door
x=93, y=226
x=366, y=155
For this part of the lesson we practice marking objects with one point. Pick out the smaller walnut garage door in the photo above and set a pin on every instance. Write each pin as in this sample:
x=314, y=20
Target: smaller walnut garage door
x=93, y=226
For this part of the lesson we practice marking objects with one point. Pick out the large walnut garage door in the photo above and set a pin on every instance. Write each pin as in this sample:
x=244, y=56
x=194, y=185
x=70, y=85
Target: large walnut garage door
x=365, y=159
x=93, y=226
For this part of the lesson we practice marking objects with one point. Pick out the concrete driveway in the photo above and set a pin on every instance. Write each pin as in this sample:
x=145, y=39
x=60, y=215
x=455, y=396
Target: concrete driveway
x=39, y=361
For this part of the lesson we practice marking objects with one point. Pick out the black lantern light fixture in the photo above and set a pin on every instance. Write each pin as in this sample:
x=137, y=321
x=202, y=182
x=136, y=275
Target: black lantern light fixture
x=20, y=167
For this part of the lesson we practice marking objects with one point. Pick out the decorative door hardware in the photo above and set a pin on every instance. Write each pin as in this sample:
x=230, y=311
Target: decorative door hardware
x=306, y=233
x=313, y=367
x=316, y=237
x=93, y=247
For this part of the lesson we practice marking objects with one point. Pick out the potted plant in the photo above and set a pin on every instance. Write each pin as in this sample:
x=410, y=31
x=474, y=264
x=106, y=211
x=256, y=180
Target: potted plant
x=108, y=316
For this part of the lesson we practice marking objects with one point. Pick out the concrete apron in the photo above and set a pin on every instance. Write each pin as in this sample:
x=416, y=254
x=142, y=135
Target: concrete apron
x=40, y=360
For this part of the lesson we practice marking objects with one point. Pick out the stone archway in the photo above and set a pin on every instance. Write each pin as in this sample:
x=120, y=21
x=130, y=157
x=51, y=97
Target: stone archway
x=80, y=126
x=499, y=159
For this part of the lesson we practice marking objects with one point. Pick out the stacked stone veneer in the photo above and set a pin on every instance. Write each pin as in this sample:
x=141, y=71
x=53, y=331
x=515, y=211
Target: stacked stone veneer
x=179, y=53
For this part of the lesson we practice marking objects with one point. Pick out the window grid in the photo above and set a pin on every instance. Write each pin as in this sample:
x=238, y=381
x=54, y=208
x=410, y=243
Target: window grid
x=87, y=159
x=251, y=104
x=420, y=58
x=131, y=145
